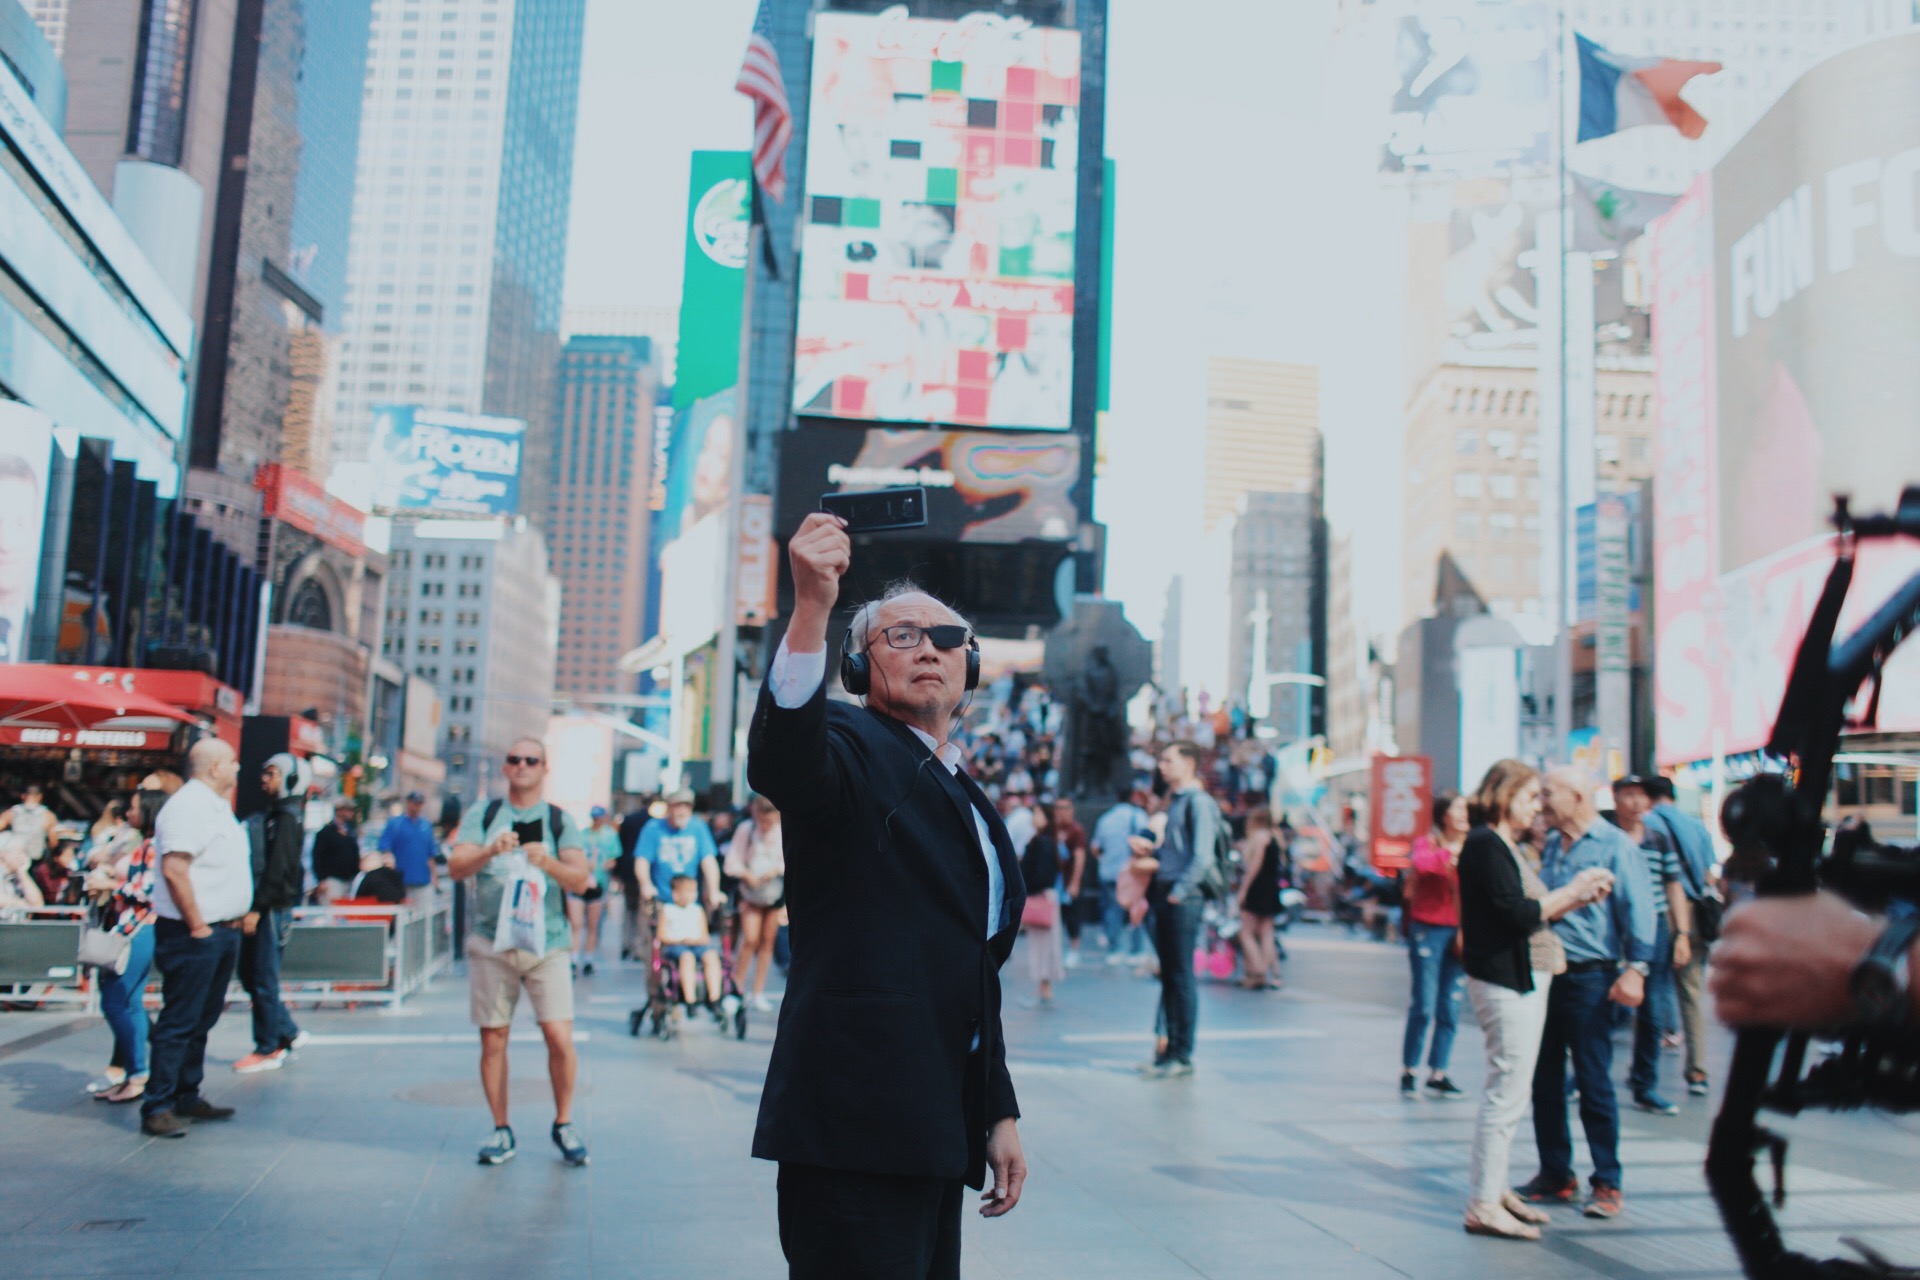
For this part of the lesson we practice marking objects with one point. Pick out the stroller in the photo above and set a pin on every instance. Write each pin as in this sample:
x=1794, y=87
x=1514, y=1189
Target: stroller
x=665, y=1000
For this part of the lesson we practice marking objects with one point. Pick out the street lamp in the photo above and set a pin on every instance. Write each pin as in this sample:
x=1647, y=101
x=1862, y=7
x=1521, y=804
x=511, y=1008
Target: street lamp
x=1260, y=681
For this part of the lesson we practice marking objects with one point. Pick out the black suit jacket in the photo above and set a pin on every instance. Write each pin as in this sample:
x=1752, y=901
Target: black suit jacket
x=893, y=970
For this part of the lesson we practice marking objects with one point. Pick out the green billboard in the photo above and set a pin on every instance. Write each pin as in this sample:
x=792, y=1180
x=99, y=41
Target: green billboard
x=715, y=279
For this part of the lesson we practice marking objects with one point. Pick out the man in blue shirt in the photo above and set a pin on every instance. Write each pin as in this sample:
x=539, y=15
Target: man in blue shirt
x=1697, y=859
x=409, y=838
x=1112, y=844
x=1610, y=947
x=677, y=845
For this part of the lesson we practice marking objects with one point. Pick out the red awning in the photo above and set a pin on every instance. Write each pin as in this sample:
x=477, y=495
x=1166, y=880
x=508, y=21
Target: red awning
x=75, y=698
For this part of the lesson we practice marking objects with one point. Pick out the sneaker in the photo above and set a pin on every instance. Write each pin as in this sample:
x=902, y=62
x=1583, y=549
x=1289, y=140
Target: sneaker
x=1409, y=1085
x=201, y=1109
x=1653, y=1102
x=1118, y=960
x=261, y=1062
x=1540, y=1192
x=572, y=1150
x=499, y=1148
x=761, y=1004
x=163, y=1124
x=299, y=1038
x=1605, y=1202
x=1073, y=960
x=587, y=969
x=1441, y=1087
x=1171, y=1069
x=1698, y=1087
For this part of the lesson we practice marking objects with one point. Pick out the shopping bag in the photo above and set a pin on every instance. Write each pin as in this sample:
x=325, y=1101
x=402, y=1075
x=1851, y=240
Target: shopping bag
x=523, y=909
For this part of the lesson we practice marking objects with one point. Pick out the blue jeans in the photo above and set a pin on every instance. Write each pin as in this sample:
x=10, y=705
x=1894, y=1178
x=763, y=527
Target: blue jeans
x=1176, y=930
x=1578, y=1024
x=1436, y=994
x=259, y=966
x=122, y=1004
x=1656, y=1015
x=1122, y=938
x=194, y=973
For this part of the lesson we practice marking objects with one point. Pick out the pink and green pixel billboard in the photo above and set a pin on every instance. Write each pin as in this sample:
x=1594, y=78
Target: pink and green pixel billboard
x=936, y=277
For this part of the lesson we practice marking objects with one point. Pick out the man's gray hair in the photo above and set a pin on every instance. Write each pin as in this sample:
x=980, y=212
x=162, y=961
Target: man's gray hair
x=900, y=587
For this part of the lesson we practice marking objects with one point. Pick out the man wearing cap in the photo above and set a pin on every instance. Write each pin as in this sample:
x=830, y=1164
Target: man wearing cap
x=677, y=845
x=408, y=836
x=274, y=835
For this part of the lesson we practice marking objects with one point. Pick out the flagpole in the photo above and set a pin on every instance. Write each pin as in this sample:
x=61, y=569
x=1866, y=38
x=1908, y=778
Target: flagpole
x=1563, y=625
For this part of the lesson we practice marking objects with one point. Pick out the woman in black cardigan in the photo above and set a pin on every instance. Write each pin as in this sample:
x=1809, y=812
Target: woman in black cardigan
x=1510, y=954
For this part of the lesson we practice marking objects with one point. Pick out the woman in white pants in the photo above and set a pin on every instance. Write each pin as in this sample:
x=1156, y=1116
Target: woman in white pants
x=1510, y=954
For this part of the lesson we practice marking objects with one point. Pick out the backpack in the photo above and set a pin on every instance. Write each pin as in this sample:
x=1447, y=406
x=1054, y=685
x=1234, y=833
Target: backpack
x=556, y=821
x=1217, y=884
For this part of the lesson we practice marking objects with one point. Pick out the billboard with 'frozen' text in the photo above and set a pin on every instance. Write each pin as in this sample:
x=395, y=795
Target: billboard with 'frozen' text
x=1784, y=332
x=438, y=460
x=937, y=271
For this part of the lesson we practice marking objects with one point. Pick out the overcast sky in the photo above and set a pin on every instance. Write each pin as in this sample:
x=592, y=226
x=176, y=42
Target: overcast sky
x=1248, y=222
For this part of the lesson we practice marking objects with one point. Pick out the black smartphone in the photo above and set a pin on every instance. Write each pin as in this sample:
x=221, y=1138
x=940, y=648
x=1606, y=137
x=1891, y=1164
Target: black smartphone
x=534, y=832
x=877, y=510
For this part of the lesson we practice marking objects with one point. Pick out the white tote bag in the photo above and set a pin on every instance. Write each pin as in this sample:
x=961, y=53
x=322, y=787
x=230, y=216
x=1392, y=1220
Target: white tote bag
x=523, y=909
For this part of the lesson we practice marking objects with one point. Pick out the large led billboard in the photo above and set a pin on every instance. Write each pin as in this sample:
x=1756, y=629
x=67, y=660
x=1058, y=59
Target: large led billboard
x=438, y=460
x=936, y=274
x=1785, y=331
x=982, y=486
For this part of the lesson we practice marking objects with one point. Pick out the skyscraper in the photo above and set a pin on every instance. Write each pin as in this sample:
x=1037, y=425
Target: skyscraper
x=1263, y=432
x=599, y=518
x=460, y=218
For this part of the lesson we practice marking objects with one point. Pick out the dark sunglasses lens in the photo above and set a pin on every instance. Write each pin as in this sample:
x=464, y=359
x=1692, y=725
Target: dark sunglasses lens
x=947, y=637
x=523, y=759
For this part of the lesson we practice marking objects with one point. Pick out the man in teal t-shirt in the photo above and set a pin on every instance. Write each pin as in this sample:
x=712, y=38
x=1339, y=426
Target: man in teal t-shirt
x=496, y=839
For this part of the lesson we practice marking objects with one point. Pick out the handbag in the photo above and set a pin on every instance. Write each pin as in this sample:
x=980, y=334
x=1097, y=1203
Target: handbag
x=523, y=918
x=1039, y=912
x=102, y=947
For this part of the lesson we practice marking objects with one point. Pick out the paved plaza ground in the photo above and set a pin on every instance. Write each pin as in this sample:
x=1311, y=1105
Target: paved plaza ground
x=1289, y=1153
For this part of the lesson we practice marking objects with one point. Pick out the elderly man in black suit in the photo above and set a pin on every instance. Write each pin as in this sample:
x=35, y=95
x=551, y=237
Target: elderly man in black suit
x=888, y=1088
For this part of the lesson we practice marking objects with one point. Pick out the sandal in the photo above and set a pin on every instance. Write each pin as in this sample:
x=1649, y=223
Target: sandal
x=1520, y=1209
x=1494, y=1220
x=129, y=1091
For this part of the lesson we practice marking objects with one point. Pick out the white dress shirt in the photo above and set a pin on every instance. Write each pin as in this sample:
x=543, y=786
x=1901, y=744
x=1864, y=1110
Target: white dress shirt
x=793, y=679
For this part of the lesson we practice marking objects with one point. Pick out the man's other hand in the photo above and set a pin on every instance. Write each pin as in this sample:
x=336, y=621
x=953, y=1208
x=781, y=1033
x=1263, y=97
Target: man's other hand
x=1009, y=1165
x=1786, y=962
x=1629, y=989
x=820, y=552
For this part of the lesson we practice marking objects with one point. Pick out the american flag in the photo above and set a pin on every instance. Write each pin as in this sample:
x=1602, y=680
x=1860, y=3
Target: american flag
x=761, y=81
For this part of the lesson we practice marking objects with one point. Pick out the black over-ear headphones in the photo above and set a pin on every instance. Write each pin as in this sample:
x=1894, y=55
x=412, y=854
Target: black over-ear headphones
x=856, y=670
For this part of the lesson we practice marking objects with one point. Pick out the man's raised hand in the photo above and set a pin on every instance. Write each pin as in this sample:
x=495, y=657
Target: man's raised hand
x=820, y=552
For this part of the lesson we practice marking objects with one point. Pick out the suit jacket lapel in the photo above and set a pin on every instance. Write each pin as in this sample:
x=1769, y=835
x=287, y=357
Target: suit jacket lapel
x=933, y=766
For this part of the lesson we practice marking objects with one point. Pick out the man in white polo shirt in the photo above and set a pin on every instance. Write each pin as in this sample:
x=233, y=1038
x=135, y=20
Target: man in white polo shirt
x=204, y=889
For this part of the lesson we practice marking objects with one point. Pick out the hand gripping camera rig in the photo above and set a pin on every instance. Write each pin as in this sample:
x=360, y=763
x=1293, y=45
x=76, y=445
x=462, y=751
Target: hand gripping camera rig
x=1874, y=1068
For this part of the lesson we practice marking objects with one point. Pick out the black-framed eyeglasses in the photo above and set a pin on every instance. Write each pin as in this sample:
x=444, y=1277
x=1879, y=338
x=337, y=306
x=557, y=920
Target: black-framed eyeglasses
x=526, y=760
x=907, y=636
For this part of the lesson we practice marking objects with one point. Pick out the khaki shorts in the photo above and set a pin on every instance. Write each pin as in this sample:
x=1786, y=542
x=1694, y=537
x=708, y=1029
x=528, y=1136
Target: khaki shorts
x=495, y=979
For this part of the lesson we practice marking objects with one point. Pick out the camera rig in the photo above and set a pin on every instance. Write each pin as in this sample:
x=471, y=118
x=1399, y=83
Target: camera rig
x=1867, y=1068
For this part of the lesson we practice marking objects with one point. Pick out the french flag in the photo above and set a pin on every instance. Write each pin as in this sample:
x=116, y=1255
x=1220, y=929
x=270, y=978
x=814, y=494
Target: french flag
x=1619, y=92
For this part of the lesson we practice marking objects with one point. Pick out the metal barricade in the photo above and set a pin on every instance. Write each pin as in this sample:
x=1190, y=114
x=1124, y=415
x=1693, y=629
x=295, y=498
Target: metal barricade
x=358, y=954
x=365, y=954
x=39, y=951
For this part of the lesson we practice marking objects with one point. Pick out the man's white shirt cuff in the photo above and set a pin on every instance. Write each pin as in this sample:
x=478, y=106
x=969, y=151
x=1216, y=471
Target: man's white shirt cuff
x=795, y=676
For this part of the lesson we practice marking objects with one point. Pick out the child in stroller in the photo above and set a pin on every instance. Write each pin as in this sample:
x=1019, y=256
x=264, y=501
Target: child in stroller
x=688, y=961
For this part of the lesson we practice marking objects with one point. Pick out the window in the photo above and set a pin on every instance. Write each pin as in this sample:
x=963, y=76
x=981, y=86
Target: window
x=1466, y=440
x=1502, y=486
x=1466, y=484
